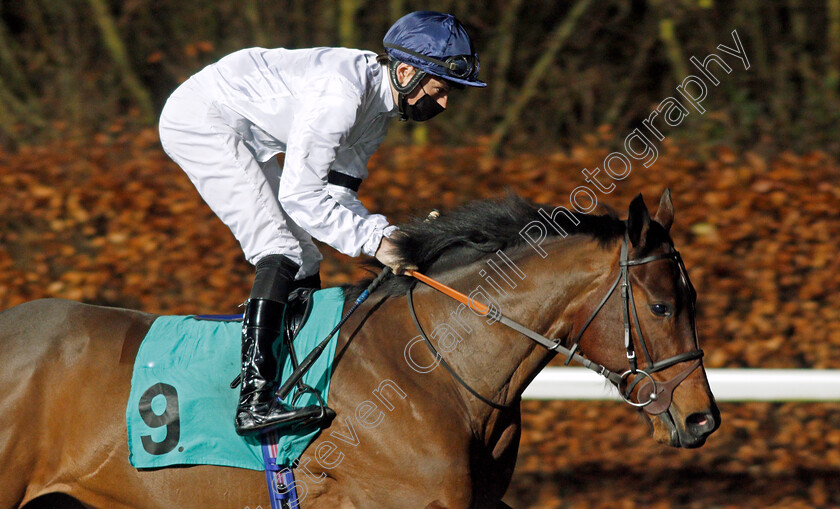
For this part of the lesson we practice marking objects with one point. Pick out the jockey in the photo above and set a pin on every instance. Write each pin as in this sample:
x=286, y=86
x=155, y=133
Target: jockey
x=328, y=110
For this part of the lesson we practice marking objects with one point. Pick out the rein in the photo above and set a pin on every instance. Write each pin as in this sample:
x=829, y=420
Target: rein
x=658, y=394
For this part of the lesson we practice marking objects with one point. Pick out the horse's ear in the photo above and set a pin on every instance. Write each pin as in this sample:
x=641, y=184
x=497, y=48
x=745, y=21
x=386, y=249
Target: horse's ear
x=638, y=221
x=665, y=213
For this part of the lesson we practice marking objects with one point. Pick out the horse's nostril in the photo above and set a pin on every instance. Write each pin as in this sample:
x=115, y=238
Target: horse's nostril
x=700, y=423
x=697, y=419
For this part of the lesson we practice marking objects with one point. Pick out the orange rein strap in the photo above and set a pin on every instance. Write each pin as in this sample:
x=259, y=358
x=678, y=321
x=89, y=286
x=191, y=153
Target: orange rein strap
x=451, y=292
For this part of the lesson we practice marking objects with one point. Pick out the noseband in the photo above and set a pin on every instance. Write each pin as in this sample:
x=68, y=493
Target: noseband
x=654, y=397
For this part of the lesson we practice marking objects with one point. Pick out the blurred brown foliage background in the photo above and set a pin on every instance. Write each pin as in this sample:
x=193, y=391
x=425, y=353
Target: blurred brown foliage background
x=93, y=210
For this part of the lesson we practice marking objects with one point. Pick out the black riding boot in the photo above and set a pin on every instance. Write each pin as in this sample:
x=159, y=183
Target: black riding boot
x=258, y=409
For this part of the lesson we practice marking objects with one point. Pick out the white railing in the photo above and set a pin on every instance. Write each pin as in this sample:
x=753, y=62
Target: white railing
x=727, y=385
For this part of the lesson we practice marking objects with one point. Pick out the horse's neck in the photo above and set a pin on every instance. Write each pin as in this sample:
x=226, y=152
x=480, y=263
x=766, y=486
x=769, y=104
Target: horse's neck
x=495, y=360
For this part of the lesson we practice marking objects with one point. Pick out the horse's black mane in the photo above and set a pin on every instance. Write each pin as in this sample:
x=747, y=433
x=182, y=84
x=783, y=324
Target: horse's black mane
x=475, y=230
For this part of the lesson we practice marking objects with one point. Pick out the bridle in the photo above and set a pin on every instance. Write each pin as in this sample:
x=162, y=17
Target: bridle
x=657, y=400
x=654, y=397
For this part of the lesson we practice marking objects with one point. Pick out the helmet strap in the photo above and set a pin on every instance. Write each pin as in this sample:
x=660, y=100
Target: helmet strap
x=403, y=90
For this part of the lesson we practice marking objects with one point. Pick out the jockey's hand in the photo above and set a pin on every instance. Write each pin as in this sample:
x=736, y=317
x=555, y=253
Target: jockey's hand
x=387, y=254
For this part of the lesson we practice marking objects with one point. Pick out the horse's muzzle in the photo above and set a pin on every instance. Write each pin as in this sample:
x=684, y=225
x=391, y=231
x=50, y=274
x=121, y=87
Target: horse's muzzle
x=694, y=429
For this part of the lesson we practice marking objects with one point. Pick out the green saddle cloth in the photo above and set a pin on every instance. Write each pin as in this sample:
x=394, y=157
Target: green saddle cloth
x=181, y=408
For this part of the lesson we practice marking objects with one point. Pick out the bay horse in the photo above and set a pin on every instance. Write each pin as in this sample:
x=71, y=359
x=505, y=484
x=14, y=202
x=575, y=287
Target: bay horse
x=408, y=433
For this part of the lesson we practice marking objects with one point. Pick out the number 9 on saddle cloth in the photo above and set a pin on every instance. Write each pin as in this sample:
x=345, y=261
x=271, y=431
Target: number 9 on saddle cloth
x=181, y=407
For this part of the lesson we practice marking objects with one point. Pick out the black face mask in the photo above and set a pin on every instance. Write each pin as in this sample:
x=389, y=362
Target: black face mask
x=424, y=109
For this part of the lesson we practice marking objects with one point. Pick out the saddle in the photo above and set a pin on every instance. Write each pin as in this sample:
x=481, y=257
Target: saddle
x=298, y=309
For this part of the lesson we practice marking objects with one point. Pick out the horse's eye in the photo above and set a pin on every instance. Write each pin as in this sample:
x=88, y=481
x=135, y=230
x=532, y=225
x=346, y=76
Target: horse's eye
x=660, y=309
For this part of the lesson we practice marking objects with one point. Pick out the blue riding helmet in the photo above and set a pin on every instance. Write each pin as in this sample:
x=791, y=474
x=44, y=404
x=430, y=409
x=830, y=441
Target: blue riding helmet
x=434, y=43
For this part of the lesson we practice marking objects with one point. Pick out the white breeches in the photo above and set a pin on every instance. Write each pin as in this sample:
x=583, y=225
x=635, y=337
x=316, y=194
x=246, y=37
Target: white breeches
x=238, y=188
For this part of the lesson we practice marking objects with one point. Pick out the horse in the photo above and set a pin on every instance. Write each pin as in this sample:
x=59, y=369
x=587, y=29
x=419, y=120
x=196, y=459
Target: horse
x=408, y=433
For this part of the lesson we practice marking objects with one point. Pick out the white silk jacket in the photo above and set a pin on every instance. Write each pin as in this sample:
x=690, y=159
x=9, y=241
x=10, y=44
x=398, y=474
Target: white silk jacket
x=327, y=109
